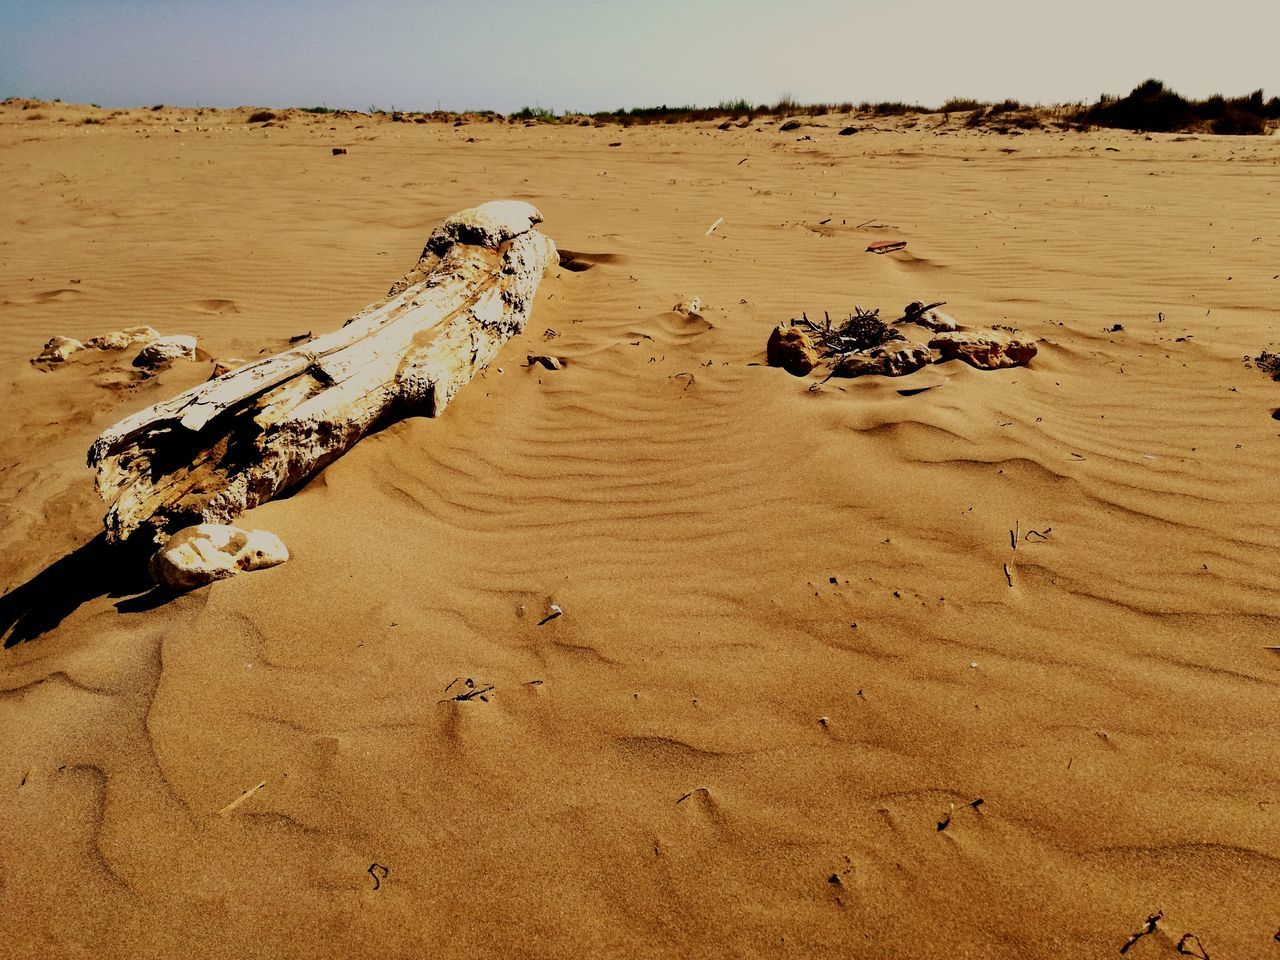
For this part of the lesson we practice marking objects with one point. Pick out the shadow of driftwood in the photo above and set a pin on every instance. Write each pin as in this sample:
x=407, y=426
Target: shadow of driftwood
x=96, y=569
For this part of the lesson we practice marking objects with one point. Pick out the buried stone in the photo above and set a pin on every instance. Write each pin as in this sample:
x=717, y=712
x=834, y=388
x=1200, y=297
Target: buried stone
x=207, y=552
x=927, y=315
x=157, y=353
x=58, y=349
x=792, y=349
x=120, y=339
x=896, y=358
x=986, y=351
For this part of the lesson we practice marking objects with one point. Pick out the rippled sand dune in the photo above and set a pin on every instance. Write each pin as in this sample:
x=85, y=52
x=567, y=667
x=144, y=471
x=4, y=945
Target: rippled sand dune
x=794, y=706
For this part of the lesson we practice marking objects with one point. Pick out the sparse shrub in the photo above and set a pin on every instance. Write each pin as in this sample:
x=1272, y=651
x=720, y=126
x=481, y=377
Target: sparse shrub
x=1236, y=122
x=961, y=105
x=1154, y=107
x=1004, y=106
x=861, y=331
x=893, y=108
x=317, y=110
x=260, y=116
x=541, y=114
x=1268, y=363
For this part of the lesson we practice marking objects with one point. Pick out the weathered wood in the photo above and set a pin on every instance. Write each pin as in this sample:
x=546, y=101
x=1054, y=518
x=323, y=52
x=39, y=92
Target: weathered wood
x=230, y=444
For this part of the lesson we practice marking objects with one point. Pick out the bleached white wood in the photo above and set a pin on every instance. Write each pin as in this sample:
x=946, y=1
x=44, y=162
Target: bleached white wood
x=227, y=445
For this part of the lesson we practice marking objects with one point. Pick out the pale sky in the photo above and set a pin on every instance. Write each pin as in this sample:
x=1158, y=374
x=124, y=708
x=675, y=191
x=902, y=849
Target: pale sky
x=587, y=56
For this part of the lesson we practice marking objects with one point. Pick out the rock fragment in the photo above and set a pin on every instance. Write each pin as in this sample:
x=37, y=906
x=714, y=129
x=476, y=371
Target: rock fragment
x=792, y=349
x=896, y=358
x=985, y=350
x=58, y=349
x=198, y=555
x=927, y=316
x=120, y=339
x=165, y=350
x=550, y=363
x=223, y=367
x=690, y=308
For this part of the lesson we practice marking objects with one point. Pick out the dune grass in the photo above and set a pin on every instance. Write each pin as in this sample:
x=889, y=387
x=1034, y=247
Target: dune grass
x=541, y=114
x=1153, y=107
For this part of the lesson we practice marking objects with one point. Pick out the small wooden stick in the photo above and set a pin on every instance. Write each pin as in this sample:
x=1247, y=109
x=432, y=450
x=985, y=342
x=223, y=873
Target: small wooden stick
x=241, y=799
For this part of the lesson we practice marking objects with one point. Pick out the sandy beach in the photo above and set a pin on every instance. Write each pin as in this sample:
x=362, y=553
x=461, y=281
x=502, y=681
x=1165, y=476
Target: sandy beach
x=816, y=689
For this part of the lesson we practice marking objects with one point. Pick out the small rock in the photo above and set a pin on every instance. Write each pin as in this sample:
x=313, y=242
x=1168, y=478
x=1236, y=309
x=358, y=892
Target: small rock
x=58, y=349
x=986, y=351
x=790, y=125
x=896, y=358
x=213, y=551
x=792, y=349
x=935, y=319
x=157, y=353
x=690, y=308
x=551, y=363
x=1117, y=327
x=119, y=339
x=222, y=367
x=339, y=151
x=848, y=131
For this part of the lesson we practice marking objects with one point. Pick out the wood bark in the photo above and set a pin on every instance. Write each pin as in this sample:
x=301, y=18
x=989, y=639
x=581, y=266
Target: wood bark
x=245, y=437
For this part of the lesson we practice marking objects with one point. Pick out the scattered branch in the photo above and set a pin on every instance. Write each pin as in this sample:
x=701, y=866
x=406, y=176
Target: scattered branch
x=472, y=692
x=1146, y=931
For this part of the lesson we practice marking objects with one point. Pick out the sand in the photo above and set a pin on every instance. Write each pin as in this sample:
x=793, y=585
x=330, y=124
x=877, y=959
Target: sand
x=789, y=664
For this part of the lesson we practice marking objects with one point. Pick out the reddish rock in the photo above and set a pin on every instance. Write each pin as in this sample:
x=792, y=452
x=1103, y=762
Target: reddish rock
x=793, y=350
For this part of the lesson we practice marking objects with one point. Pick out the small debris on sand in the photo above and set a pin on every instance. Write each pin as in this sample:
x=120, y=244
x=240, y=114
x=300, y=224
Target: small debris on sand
x=886, y=246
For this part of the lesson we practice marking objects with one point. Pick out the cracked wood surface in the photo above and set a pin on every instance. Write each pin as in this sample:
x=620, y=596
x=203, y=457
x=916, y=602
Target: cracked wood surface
x=241, y=439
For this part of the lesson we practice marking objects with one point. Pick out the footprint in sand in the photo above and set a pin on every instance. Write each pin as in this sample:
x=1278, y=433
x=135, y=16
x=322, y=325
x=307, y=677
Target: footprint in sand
x=213, y=306
x=52, y=296
x=581, y=262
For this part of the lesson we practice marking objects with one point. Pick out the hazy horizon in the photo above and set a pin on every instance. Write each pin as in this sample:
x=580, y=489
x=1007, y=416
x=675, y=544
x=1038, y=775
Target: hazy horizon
x=580, y=56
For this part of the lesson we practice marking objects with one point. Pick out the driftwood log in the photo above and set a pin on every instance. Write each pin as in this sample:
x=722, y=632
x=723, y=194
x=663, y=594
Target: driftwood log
x=241, y=439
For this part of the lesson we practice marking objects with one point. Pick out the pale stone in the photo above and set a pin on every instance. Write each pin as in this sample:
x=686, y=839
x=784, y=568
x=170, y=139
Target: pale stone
x=58, y=349
x=166, y=350
x=214, y=551
x=119, y=339
x=934, y=319
x=690, y=308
